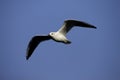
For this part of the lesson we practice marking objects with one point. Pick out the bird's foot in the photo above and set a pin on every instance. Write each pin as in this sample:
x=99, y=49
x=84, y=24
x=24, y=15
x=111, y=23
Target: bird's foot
x=67, y=42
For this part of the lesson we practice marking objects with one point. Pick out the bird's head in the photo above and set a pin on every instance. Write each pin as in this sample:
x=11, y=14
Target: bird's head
x=52, y=33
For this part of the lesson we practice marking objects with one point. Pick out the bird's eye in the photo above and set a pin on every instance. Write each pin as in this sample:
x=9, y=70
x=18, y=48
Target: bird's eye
x=51, y=33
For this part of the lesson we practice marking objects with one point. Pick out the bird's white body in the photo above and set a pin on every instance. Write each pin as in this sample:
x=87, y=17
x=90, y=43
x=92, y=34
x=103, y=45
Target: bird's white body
x=59, y=37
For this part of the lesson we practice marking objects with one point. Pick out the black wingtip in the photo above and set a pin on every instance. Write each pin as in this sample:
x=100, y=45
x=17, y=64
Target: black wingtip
x=94, y=27
x=27, y=57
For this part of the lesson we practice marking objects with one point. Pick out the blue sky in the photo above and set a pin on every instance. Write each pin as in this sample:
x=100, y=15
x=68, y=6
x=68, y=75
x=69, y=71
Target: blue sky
x=93, y=54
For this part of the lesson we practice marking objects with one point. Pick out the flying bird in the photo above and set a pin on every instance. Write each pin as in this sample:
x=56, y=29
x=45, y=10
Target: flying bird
x=59, y=36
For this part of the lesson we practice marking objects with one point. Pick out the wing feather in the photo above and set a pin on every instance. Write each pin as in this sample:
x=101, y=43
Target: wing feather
x=34, y=43
x=68, y=24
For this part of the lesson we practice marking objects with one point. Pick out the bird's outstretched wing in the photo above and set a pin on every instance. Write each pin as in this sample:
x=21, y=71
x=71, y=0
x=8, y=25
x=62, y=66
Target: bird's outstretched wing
x=68, y=24
x=34, y=43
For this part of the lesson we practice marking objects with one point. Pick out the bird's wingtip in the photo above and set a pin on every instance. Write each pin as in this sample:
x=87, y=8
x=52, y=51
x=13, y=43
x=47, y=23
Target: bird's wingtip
x=94, y=27
x=27, y=57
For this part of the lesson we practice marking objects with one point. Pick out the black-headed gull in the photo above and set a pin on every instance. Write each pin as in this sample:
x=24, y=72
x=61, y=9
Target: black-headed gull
x=59, y=36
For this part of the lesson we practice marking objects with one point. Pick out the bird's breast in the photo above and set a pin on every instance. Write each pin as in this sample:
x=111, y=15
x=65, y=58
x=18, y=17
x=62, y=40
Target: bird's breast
x=59, y=37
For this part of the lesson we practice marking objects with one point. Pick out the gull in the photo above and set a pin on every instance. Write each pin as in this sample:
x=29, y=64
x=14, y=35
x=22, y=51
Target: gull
x=59, y=36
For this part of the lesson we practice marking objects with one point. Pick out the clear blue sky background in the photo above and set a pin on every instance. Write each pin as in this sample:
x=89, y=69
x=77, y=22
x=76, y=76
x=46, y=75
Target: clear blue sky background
x=93, y=54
